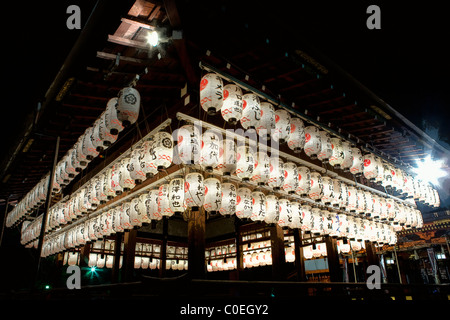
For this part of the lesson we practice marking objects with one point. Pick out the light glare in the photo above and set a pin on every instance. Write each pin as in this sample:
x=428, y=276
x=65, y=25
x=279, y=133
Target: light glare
x=153, y=38
x=430, y=170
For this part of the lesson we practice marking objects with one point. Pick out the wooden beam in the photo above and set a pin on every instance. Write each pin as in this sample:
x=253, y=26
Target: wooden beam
x=128, y=42
x=196, y=244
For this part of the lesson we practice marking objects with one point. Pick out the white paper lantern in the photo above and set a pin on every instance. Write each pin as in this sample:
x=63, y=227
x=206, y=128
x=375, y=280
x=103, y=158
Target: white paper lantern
x=282, y=126
x=176, y=195
x=151, y=203
x=162, y=148
x=244, y=203
x=147, y=158
x=361, y=204
x=337, y=154
x=380, y=165
x=312, y=141
x=110, y=118
x=326, y=151
x=328, y=190
x=388, y=176
x=134, y=167
x=125, y=180
x=194, y=190
x=213, y=195
x=296, y=138
x=128, y=104
x=272, y=209
x=348, y=156
x=352, y=199
x=383, y=209
x=258, y=206
x=125, y=219
x=210, y=150
x=276, y=173
x=297, y=219
x=228, y=203
x=368, y=197
x=262, y=168
x=304, y=181
x=290, y=177
x=391, y=209
x=163, y=201
x=357, y=166
x=245, y=164
x=316, y=191
x=306, y=218
x=251, y=111
x=227, y=157
x=370, y=169
x=266, y=125
x=307, y=252
x=211, y=93
x=189, y=143
x=317, y=221
x=115, y=185
x=285, y=213
x=232, y=103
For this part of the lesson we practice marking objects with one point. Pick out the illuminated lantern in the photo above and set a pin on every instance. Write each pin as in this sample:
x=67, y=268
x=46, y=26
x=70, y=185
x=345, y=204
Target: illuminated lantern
x=151, y=204
x=336, y=198
x=352, y=199
x=244, y=203
x=297, y=219
x=328, y=190
x=357, y=164
x=383, y=209
x=107, y=184
x=162, y=148
x=163, y=201
x=134, y=167
x=210, y=150
x=176, y=194
x=307, y=252
x=388, y=176
x=317, y=221
x=262, y=168
x=258, y=206
x=397, y=178
x=189, y=142
x=231, y=109
x=312, y=141
x=272, y=209
x=419, y=219
x=125, y=180
x=276, y=173
x=327, y=222
x=408, y=185
x=81, y=156
x=335, y=226
x=304, y=181
x=213, y=195
x=110, y=118
x=337, y=153
x=147, y=158
x=228, y=203
x=128, y=104
x=251, y=111
x=140, y=208
x=391, y=209
x=194, y=190
x=316, y=191
x=437, y=202
x=360, y=202
x=326, y=151
x=351, y=228
x=115, y=185
x=211, y=93
x=380, y=165
x=227, y=157
x=348, y=156
x=306, y=218
x=401, y=214
x=290, y=177
x=296, y=138
x=266, y=125
x=245, y=163
x=368, y=198
x=125, y=219
x=282, y=126
x=285, y=213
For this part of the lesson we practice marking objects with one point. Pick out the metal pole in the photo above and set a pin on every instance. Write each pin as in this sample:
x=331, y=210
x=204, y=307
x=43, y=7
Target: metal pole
x=47, y=208
x=398, y=266
x=354, y=268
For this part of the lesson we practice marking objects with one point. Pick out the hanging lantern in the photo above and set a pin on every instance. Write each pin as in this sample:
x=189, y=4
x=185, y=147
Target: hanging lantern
x=368, y=198
x=297, y=219
x=188, y=146
x=383, y=209
x=211, y=93
x=125, y=180
x=151, y=204
x=110, y=118
x=163, y=201
x=232, y=103
x=227, y=157
x=328, y=190
x=306, y=218
x=380, y=166
x=316, y=191
x=370, y=167
x=102, y=134
x=391, y=209
x=115, y=168
x=125, y=219
x=307, y=252
x=134, y=167
x=128, y=104
x=244, y=203
x=388, y=176
x=251, y=111
x=327, y=222
x=376, y=205
x=213, y=195
x=210, y=150
x=162, y=148
x=312, y=141
x=82, y=157
x=140, y=209
x=272, y=209
x=228, y=202
x=258, y=206
x=335, y=225
x=245, y=164
x=352, y=199
x=276, y=173
x=357, y=165
x=337, y=189
x=360, y=202
x=325, y=147
x=282, y=126
x=337, y=153
x=285, y=213
x=290, y=177
x=317, y=221
x=296, y=138
x=266, y=125
x=262, y=168
x=176, y=195
x=194, y=190
x=408, y=185
x=304, y=181
x=348, y=156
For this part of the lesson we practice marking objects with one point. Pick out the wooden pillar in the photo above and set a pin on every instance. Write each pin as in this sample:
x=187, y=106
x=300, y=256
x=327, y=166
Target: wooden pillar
x=163, y=251
x=239, y=255
x=196, y=244
x=278, y=254
x=371, y=256
x=84, y=255
x=129, y=252
x=117, y=254
x=333, y=259
x=299, y=259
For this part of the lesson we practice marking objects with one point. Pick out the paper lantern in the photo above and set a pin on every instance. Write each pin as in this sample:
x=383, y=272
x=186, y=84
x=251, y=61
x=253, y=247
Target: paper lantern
x=370, y=168
x=262, y=168
x=125, y=180
x=125, y=219
x=306, y=218
x=360, y=202
x=189, y=142
x=337, y=153
x=272, y=209
x=388, y=176
x=401, y=214
x=368, y=198
x=285, y=213
x=176, y=195
x=134, y=167
x=290, y=177
x=304, y=181
x=328, y=190
x=348, y=156
x=352, y=199
x=245, y=164
x=327, y=222
x=258, y=206
x=211, y=93
x=408, y=185
x=227, y=157
x=376, y=205
x=296, y=138
x=326, y=150
x=228, y=202
x=194, y=190
x=110, y=118
x=102, y=137
x=335, y=225
x=266, y=124
x=210, y=150
x=151, y=204
x=162, y=148
x=231, y=109
x=282, y=126
x=128, y=104
x=317, y=221
x=351, y=228
x=213, y=195
x=383, y=209
x=140, y=209
x=297, y=219
x=391, y=209
x=163, y=201
x=312, y=141
x=307, y=252
x=251, y=111
x=244, y=203
x=115, y=185
x=276, y=173
x=316, y=191
x=337, y=190
x=357, y=165
x=380, y=168
x=82, y=157
x=136, y=213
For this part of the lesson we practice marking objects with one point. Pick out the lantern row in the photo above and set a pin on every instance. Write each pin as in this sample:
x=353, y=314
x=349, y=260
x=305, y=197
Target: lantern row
x=120, y=112
x=252, y=113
